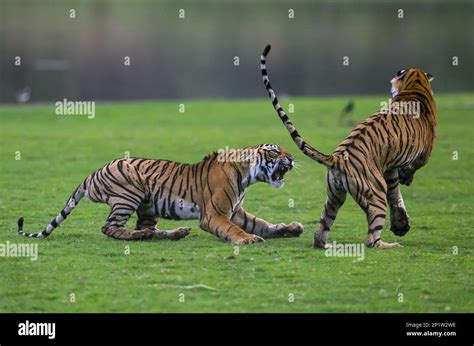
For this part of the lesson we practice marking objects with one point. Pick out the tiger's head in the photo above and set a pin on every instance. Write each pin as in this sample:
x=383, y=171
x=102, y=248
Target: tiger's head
x=410, y=79
x=271, y=162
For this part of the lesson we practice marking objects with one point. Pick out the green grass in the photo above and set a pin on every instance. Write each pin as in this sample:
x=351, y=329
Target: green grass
x=57, y=152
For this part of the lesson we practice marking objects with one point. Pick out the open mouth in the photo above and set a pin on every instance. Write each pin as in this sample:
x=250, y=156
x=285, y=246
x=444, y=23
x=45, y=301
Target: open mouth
x=279, y=173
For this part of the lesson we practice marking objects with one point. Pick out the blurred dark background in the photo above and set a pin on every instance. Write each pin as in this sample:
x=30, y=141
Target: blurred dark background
x=82, y=58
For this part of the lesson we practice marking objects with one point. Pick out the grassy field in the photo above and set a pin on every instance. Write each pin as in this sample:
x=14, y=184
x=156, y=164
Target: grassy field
x=57, y=152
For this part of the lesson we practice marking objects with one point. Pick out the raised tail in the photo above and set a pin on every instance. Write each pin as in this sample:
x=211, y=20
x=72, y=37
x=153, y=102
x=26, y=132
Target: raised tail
x=307, y=149
x=70, y=205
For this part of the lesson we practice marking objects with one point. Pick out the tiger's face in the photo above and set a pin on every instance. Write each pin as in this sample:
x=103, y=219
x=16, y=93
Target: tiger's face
x=272, y=163
x=408, y=79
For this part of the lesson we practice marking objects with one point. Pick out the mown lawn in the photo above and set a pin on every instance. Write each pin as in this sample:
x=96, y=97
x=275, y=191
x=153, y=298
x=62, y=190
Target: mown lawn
x=58, y=151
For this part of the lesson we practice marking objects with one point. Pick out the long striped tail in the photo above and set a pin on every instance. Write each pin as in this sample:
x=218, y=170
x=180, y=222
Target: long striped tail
x=70, y=205
x=327, y=160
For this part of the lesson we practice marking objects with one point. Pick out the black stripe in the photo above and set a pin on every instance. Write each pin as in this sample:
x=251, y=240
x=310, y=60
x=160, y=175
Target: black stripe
x=377, y=228
x=173, y=211
x=377, y=216
x=391, y=181
x=294, y=134
x=245, y=221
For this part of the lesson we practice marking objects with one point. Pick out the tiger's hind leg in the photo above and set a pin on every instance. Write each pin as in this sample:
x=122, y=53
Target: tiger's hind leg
x=148, y=221
x=399, y=220
x=121, y=210
x=376, y=213
x=146, y=217
x=372, y=199
x=336, y=196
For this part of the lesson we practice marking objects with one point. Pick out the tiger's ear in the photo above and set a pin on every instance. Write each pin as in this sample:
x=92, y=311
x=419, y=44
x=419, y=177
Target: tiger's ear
x=400, y=74
x=430, y=77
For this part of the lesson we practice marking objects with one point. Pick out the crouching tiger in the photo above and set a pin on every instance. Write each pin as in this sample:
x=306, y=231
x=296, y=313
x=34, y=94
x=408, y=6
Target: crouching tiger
x=211, y=190
x=382, y=152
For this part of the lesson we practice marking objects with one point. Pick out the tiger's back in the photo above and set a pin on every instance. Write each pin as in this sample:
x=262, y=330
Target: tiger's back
x=167, y=189
x=389, y=141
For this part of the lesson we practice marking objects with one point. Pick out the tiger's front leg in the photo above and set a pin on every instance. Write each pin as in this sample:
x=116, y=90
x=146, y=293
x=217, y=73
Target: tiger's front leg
x=264, y=229
x=407, y=173
x=221, y=226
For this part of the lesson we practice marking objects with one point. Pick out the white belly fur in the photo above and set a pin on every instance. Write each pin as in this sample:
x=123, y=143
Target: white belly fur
x=187, y=210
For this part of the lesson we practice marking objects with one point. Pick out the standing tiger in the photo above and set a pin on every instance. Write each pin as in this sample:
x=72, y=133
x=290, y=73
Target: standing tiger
x=211, y=190
x=382, y=152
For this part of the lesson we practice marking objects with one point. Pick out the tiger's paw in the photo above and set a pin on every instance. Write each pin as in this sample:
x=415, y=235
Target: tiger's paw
x=179, y=233
x=382, y=245
x=174, y=234
x=248, y=239
x=405, y=175
x=319, y=242
x=294, y=229
x=400, y=223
